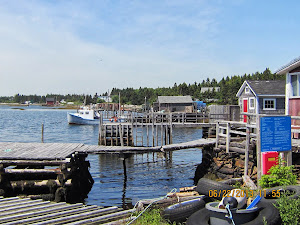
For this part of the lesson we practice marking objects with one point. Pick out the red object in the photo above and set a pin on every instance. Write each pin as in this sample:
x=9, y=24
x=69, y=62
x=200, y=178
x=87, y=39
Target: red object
x=245, y=109
x=269, y=159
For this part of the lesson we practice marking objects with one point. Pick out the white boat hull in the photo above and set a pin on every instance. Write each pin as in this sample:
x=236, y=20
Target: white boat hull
x=74, y=118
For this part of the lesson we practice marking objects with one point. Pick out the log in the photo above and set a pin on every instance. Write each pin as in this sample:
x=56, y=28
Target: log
x=35, y=162
x=187, y=189
x=233, y=149
x=32, y=171
x=37, y=183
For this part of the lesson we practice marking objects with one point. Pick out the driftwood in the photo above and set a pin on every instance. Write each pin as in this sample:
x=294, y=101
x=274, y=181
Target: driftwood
x=233, y=149
x=187, y=189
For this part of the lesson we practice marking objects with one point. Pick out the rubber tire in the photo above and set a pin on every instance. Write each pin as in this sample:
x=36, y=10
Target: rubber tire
x=179, y=212
x=292, y=188
x=267, y=210
x=205, y=185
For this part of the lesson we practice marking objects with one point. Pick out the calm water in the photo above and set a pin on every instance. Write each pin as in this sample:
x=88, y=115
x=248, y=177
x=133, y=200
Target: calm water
x=148, y=175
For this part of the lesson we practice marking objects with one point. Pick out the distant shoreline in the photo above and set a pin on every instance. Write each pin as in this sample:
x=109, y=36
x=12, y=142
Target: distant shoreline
x=39, y=104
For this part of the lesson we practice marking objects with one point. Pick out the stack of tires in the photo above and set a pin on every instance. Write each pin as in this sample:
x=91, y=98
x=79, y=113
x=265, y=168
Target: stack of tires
x=195, y=213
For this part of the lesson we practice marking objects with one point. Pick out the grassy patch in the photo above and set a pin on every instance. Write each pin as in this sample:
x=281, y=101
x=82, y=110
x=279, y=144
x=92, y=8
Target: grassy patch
x=151, y=217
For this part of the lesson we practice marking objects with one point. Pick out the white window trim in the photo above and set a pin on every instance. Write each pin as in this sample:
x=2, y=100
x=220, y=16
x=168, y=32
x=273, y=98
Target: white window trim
x=269, y=99
x=247, y=90
x=253, y=103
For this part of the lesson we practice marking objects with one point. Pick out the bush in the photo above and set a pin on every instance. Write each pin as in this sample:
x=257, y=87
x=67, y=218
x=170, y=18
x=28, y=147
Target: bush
x=279, y=176
x=288, y=209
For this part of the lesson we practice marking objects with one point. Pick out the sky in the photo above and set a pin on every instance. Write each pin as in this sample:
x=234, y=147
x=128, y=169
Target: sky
x=92, y=46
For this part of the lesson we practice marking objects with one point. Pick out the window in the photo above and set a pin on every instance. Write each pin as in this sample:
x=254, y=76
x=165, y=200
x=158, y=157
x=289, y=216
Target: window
x=269, y=104
x=247, y=90
x=294, y=81
x=251, y=103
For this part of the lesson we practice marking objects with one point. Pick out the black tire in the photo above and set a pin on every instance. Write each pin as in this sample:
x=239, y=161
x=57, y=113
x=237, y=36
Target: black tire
x=267, y=211
x=200, y=217
x=207, y=187
x=181, y=211
x=271, y=195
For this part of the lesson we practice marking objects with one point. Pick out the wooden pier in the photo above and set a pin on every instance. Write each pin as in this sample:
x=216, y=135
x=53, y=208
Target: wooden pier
x=17, y=210
x=59, y=171
x=148, y=129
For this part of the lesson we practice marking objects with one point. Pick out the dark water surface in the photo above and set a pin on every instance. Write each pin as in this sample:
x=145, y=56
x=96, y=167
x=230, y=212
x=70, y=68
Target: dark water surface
x=148, y=175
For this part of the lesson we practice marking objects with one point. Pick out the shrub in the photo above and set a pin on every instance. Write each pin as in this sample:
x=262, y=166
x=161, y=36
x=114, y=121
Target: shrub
x=278, y=176
x=288, y=209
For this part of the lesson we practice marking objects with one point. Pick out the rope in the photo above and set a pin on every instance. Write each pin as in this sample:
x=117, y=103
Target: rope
x=158, y=199
x=230, y=214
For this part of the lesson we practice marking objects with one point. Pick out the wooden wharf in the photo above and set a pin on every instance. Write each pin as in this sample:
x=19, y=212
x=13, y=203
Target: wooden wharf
x=15, y=210
x=148, y=129
x=59, y=171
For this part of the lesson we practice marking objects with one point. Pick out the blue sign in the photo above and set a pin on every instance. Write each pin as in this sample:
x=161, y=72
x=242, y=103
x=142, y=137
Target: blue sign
x=275, y=133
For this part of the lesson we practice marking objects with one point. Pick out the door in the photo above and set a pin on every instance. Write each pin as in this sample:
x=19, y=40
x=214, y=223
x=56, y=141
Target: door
x=245, y=108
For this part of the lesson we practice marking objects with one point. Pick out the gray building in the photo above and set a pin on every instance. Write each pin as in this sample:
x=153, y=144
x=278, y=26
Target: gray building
x=174, y=104
x=262, y=97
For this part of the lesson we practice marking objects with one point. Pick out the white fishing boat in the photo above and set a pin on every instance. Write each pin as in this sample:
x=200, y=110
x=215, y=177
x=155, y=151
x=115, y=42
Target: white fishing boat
x=88, y=115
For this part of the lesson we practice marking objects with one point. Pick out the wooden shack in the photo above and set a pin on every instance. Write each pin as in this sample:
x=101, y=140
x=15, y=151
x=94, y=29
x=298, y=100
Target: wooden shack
x=174, y=104
x=262, y=97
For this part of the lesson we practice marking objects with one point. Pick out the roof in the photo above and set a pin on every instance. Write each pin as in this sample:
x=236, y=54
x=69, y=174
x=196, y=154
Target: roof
x=288, y=67
x=264, y=87
x=174, y=99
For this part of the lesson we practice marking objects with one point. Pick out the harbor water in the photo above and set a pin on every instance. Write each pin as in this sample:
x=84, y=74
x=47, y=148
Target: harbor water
x=147, y=175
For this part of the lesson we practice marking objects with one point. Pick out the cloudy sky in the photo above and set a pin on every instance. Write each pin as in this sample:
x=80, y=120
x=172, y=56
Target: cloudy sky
x=89, y=46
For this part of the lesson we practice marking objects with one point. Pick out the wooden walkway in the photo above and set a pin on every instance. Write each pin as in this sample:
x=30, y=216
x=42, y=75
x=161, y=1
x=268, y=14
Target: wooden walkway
x=17, y=210
x=61, y=151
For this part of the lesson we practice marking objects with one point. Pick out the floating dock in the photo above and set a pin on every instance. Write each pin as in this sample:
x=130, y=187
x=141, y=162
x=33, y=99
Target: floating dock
x=27, y=211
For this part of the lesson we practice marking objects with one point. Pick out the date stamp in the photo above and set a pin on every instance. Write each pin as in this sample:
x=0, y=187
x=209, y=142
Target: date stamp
x=242, y=193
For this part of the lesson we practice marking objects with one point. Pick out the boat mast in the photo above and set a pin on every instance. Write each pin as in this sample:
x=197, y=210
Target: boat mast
x=119, y=104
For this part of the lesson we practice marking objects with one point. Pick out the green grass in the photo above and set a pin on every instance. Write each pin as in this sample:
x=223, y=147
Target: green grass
x=151, y=217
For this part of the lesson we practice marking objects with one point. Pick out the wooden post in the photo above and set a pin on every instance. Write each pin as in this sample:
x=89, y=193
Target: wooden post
x=258, y=146
x=156, y=134
x=42, y=138
x=117, y=135
x=171, y=129
x=161, y=134
x=121, y=134
x=105, y=131
x=111, y=134
x=147, y=133
x=100, y=135
x=152, y=129
x=217, y=133
x=227, y=137
x=247, y=146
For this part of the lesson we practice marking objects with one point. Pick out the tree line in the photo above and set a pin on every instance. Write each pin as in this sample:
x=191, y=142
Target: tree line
x=222, y=92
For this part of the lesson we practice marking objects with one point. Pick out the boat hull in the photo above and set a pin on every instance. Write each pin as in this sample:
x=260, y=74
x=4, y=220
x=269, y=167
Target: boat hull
x=73, y=118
